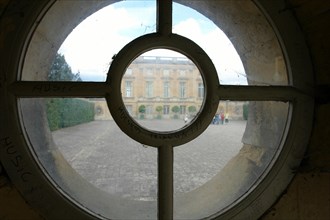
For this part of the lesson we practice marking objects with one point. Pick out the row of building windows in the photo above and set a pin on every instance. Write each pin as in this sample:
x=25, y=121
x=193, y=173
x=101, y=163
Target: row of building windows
x=149, y=90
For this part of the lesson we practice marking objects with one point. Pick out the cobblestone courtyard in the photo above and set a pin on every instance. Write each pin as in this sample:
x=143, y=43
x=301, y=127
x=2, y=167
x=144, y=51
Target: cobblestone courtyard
x=113, y=162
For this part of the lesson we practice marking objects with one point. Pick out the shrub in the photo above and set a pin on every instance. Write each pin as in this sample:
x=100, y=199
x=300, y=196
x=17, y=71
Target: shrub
x=142, y=109
x=175, y=109
x=245, y=111
x=159, y=109
x=192, y=109
x=63, y=113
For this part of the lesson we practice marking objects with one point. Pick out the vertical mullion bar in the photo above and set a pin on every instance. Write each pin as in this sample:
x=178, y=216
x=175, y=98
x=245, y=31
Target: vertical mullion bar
x=165, y=153
x=165, y=182
x=164, y=17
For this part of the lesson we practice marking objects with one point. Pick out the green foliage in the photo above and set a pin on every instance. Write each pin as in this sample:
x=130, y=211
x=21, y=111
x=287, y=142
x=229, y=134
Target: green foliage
x=175, y=109
x=63, y=113
x=245, y=111
x=61, y=71
x=159, y=109
x=192, y=109
x=53, y=113
x=142, y=109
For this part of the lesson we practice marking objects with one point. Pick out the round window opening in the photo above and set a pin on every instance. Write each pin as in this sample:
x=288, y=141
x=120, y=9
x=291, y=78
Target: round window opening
x=162, y=90
x=127, y=134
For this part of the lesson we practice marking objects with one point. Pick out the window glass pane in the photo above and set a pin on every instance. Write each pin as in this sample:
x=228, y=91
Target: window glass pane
x=81, y=147
x=166, y=89
x=228, y=36
x=129, y=89
x=200, y=90
x=149, y=89
x=182, y=89
x=88, y=49
x=223, y=163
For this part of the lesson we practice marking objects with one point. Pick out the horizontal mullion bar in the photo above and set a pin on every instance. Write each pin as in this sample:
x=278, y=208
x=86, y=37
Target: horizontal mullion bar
x=59, y=89
x=259, y=93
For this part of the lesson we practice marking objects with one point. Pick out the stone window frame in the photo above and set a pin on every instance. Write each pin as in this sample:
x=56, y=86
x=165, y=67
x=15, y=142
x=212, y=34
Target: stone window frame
x=166, y=92
x=182, y=89
x=128, y=89
x=200, y=90
x=149, y=88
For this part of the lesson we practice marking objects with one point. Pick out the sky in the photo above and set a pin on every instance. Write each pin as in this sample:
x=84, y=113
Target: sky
x=91, y=45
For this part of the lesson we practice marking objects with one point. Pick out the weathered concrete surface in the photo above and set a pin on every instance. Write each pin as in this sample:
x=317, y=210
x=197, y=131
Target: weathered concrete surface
x=302, y=200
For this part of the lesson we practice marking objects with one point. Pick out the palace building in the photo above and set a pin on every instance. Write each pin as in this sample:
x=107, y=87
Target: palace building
x=164, y=88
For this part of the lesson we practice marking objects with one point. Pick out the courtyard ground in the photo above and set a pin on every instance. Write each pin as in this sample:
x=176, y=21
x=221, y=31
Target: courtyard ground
x=113, y=162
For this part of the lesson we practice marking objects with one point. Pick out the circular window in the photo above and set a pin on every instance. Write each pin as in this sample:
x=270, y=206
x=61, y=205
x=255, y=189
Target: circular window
x=169, y=85
x=155, y=136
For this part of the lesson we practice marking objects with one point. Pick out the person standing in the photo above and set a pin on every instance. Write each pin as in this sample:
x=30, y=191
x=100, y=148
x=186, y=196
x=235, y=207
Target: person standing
x=222, y=116
x=185, y=118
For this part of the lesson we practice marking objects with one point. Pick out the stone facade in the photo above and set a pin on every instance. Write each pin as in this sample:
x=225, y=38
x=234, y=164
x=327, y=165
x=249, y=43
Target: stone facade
x=161, y=84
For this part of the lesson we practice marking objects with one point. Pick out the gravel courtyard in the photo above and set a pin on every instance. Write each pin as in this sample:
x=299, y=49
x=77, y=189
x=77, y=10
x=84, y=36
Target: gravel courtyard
x=109, y=159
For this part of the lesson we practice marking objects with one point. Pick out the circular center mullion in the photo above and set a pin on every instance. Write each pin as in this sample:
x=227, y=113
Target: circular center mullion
x=179, y=44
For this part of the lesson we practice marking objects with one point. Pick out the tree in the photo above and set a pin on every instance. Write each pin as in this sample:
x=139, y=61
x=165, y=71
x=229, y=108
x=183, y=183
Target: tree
x=61, y=71
x=159, y=109
x=192, y=109
x=142, y=109
x=175, y=109
x=66, y=112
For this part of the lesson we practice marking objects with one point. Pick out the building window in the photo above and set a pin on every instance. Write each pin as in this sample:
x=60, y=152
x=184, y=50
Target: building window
x=129, y=89
x=182, y=73
x=149, y=71
x=182, y=89
x=149, y=110
x=128, y=72
x=182, y=109
x=166, y=109
x=166, y=72
x=200, y=90
x=149, y=89
x=166, y=90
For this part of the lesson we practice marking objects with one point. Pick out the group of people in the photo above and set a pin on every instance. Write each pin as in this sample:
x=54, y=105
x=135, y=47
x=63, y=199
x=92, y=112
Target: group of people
x=217, y=119
x=220, y=118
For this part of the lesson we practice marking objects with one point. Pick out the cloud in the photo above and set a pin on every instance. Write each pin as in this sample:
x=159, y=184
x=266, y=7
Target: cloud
x=218, y=47
x=91, y=45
